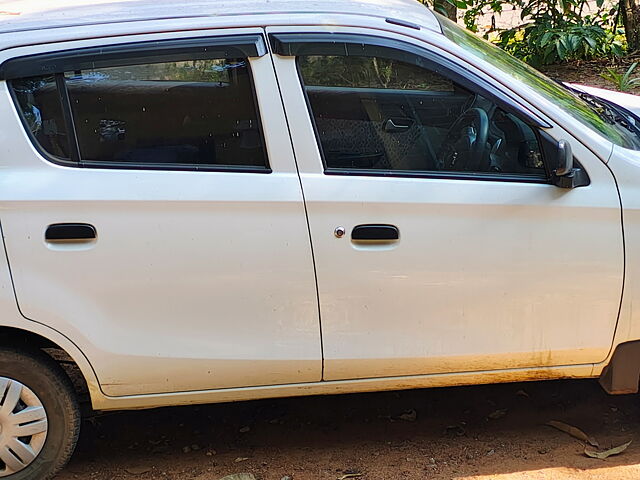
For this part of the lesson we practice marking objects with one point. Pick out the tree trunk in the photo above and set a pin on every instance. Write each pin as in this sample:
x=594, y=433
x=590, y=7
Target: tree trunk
x=630, y=13
x=451, y=12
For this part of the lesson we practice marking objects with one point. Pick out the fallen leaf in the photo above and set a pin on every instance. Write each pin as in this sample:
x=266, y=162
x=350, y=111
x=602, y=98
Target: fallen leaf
x=574, y=432
x=409, y=416
x=457, y=430
x=498, y=414
x=241, y=459
x=607, y=453
x=350, y=475
x=239, y=476
x=137, y=470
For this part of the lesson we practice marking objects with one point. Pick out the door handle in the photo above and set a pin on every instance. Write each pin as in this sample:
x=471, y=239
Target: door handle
x=70, y=232
x=378, y=233
x=397, y=125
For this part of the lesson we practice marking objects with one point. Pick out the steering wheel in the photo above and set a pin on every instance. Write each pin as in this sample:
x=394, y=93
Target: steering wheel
x=464, y=146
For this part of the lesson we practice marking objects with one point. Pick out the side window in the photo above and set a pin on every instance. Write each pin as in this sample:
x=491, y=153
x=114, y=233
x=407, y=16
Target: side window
x=199, y=113
x=375, y=113
x=39, y=102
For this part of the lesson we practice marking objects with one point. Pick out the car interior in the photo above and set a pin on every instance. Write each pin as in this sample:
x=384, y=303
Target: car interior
x=400, y=118
x=444, y=128
x=164, y=116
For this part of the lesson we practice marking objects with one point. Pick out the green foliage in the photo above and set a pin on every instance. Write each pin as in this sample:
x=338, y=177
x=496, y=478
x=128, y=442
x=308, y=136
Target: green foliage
x=552, y=31
x=446, y=7
x=542, y=42
x=559, y=31
x=216, y=70
x=622, y=81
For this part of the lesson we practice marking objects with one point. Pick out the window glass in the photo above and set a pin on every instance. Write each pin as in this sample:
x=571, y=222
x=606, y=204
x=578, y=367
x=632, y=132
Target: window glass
x=369, y=72
x=380, y=114
x=552, y=91
x=39, y=104
x=198, y=113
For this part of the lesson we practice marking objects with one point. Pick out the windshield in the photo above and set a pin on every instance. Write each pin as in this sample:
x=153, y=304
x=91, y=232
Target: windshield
x=543, y=85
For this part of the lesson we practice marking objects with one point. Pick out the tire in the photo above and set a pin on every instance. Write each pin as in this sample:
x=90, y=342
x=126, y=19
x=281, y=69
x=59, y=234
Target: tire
x=54, y=410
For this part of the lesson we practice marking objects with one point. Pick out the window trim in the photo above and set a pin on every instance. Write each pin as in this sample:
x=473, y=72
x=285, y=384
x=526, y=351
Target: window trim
x=160, y=51
x=135, y=53
x=347, y=44
x=477, y=176
x=172, y=167
x=67, y=113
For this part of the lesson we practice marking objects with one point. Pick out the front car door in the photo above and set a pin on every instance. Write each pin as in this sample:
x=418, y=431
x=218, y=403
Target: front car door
x=439, y=241
x=153, y=213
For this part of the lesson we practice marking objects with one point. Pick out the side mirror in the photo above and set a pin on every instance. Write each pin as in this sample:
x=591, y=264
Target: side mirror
x=564, y=159
x=565, y=175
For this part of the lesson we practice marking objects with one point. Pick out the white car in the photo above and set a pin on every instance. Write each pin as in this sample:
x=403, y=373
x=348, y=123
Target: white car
x=232, y=200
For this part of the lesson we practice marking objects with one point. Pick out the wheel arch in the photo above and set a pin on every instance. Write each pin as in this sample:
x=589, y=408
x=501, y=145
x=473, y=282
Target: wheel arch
x=63, y=351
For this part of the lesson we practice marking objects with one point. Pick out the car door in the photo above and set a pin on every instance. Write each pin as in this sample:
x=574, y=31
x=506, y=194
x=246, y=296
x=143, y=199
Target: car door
x=440, y=243
x=153, y=213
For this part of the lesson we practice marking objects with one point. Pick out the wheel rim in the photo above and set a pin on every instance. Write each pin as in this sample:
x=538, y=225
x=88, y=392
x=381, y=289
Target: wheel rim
x=23, y=426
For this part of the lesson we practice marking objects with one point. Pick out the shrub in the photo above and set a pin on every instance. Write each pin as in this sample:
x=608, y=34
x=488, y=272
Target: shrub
x=552, y=31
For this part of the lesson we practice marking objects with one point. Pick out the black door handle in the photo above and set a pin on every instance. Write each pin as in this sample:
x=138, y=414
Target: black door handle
x=380, y=233
x=70, y=232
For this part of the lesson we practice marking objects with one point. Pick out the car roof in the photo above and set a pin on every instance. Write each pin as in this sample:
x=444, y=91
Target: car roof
x=31, y=15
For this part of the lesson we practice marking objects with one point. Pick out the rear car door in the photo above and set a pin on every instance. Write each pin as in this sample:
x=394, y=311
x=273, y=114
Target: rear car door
x=440, y=243
x=153, y=212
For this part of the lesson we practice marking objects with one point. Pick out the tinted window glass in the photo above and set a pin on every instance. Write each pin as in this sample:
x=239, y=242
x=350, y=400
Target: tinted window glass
x=381, y=114
x=369, y=72
x=199, y=112
x=544, y=86
x=40, y=107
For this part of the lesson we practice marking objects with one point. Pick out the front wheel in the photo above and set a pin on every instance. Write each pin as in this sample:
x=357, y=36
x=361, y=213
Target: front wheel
x=39, y=416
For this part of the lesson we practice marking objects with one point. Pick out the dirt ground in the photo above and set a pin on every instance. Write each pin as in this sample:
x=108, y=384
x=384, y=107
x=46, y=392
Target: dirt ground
x=589, y=72
x=480, y=433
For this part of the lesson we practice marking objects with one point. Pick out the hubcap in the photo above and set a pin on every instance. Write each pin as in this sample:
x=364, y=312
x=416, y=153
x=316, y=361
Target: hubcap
x=23, y=426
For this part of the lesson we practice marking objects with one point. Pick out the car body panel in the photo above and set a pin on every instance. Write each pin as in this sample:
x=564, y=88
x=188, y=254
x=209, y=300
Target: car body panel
x=625, y=165
x=160, y=302
x=13, y=320
x=339, y=387
x=626, y=100
x=478, y=277
x=30, y=15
